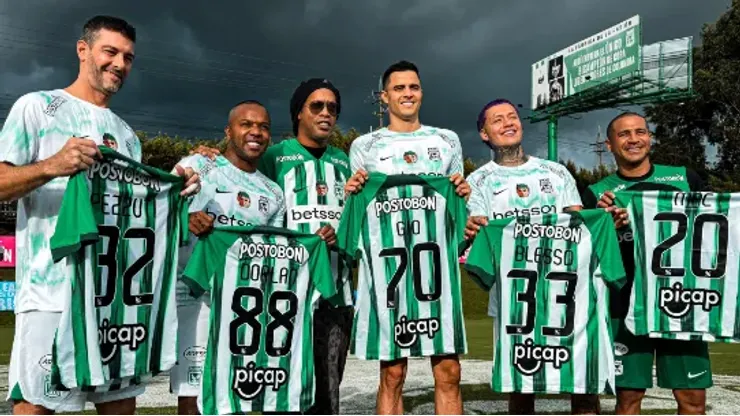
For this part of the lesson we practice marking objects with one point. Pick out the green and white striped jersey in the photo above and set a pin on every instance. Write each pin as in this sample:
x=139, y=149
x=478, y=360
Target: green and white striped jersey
x=314, y=194
x=264, y=285
x=119, y=229
x=406, y=232
x=553, y=332
x=232, y=197
x=687, y=262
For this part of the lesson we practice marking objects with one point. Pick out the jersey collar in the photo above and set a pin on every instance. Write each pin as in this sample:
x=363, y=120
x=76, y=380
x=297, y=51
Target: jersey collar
x=637, y=178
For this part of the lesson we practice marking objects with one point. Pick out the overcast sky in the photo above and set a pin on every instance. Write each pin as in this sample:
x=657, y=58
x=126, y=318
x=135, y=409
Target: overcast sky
x=195, y=59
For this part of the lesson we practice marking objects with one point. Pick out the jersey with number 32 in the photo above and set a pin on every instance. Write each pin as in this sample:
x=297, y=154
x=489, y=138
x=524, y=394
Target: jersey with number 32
x=119, y=229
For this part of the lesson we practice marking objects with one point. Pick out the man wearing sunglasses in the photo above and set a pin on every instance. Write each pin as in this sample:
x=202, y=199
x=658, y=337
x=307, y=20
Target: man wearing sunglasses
x=312, y=175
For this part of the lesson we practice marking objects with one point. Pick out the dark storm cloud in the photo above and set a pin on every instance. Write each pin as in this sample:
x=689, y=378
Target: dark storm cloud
x=196, y=59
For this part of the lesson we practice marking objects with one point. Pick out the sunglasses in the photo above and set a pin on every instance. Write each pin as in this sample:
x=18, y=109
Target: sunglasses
x=317, y=107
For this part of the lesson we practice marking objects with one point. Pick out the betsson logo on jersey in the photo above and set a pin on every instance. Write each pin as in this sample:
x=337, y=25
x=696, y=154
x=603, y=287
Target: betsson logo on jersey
x=308, y=213
x=249, y=381
x=406, y=332
x=223, y=219
x=114, y=172
x=529, y=357
x=546, y=209
x=676, y=301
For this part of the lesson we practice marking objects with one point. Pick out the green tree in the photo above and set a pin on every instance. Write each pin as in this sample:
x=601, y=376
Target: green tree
x=713, y=114
x=163, y=151
x=586, y=177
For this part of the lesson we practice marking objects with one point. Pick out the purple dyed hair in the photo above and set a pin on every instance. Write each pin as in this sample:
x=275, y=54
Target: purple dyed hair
x=482, y=114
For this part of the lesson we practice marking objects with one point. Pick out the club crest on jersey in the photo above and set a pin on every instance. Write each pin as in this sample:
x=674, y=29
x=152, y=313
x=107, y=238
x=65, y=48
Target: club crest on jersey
x=113, y=336
x=434, y=153
x=546, y=186
x=522, y=190
x=242, y=198
x=339, y=190
x=407, y=332
x=410, y=157
x=676, y=301
x=249, y=381
x=322, y=189
x=529, y=357
x=264, y=205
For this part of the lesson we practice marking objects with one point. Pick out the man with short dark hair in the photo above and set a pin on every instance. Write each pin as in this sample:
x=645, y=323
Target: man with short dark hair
x=408, y=147
x=48, y=137
x=234, y=193
x=516, y=184
x=681, y=365
x=312, y=174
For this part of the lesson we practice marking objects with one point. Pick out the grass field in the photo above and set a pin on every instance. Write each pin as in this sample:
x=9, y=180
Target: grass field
x=480, y=341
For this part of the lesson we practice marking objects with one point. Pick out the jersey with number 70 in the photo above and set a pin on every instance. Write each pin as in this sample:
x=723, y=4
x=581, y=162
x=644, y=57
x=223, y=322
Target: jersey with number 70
x=550, y=274
x=687, y=261
x=406, y=231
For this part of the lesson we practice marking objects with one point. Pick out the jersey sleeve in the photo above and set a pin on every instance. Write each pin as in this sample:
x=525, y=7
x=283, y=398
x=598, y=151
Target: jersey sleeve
x=356, y=158
x=202, y=265
x=696, y=183
x=320, y=269
x=20, y=134
x=350, y=225
x=76, y=224
x=278, y=218
x=477, y=204
x=606, y=247
x=570, y=196
x=456, y=165
x=589, y=199
x=481, y=262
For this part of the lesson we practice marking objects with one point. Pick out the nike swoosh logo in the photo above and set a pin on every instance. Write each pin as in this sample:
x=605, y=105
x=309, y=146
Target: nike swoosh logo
x=385, y=158
x=696, y=375
x=218, y=191
x=496, y=193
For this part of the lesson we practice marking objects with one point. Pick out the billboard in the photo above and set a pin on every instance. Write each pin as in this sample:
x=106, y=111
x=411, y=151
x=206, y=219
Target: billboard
x=602, y=57
x=7, y=251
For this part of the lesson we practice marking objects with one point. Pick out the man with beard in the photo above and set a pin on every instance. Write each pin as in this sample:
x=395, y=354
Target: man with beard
x=682, y=366
x=312, y=174
x=48, y=137
x=234, y=194
x=516, y=184
x=408, y=147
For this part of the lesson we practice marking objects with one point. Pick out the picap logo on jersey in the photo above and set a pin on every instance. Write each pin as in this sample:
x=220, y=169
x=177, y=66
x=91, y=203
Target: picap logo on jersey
x=434, y=153
x=529, y=357
x=113, y=336
x=522, y=190
x=406, y=331
x=242, y=198
x=410, y=157
x=249, y=381
x=677, y=302
x=546, y=186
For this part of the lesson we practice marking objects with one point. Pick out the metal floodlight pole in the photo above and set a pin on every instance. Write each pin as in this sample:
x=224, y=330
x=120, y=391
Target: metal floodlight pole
x=552, y=138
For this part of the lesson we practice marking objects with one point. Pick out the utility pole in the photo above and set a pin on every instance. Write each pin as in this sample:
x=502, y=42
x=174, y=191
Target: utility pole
x=599, y=147
x=375, y=99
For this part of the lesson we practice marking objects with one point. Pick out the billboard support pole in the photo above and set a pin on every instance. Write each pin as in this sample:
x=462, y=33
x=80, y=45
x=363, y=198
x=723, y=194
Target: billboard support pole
x=552, y=138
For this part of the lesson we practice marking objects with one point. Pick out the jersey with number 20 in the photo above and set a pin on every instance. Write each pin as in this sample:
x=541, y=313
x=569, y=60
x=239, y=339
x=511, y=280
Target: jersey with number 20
x=406, y=230
x=687, y=261
x=550, y=273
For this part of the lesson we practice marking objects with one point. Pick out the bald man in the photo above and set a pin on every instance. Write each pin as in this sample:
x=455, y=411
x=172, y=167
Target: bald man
x=227, y=181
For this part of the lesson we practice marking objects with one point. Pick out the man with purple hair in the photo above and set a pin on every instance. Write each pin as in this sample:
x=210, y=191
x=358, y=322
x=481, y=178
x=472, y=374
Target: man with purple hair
x=516, y=184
